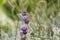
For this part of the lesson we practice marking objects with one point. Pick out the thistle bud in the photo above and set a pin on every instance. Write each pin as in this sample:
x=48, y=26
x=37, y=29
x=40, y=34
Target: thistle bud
x=23, y=13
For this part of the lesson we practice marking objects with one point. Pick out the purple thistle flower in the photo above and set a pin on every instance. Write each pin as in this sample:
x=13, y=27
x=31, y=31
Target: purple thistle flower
x=24, y=28
x=24, y=18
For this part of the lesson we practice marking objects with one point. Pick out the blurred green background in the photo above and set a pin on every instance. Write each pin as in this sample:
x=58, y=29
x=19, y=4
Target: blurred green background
x=44, y=18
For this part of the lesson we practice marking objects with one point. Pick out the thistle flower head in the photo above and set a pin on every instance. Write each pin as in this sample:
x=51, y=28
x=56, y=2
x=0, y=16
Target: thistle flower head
x=24, y=18
x=24, y=28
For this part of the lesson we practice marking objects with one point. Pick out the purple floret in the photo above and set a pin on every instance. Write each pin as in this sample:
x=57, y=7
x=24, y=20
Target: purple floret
x=25, y=18
x=24, y=28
